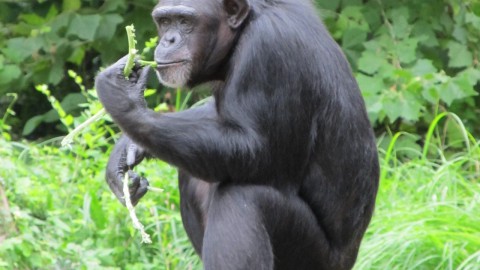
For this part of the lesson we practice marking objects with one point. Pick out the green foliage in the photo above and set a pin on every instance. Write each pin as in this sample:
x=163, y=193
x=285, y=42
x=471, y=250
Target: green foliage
x=61, y=213
x=41, y=40
x=427, y=214
x=412, y=58
x=4, y=127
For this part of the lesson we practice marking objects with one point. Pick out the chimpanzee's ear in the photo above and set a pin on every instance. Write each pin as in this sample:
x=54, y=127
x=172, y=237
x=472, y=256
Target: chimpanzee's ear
x=237, y=11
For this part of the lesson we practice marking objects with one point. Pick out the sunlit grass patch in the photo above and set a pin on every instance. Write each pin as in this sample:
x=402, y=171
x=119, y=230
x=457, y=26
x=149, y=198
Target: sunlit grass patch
x=427, y=214
x=428, y=211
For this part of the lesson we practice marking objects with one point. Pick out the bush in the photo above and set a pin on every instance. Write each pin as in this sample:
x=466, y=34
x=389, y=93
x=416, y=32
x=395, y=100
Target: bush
x=413, y=59
x=41, y=40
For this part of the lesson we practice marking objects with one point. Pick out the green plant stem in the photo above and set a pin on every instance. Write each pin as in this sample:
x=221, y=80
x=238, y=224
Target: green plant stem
x=153, y=64
x=9, y=110
x=132, y=52
x=69, y=138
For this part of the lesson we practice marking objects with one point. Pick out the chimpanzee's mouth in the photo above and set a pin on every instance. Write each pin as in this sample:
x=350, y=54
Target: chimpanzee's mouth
x=168, y=64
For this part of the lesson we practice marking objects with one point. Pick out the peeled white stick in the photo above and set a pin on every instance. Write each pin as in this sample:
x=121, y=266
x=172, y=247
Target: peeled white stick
x=136, y=223
x=69, y=138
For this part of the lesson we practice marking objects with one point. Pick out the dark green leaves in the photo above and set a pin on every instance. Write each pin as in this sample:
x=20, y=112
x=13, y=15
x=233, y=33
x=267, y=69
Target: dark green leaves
x=84, y=26
x=19, y=49
x=459, y=55
x=412, y=57
x=9, y=73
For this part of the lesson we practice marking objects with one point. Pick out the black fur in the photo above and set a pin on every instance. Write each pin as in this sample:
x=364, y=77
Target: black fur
x=281, y=170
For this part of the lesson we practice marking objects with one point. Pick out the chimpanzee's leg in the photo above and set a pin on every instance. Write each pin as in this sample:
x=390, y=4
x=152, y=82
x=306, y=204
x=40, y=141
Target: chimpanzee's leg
x=195, y=196
x=259, y=228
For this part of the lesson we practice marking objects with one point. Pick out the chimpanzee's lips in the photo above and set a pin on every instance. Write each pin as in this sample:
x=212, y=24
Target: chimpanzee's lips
x=162, y=64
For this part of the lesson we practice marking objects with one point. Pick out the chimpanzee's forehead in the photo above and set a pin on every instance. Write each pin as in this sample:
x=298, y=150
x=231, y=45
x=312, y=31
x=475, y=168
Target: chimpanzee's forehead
x=172, y=9
x=188, y=6
x=188, y=3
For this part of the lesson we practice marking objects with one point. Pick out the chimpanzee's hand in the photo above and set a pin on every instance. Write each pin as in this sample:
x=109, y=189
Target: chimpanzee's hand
x=119, y=94
x=124, y=157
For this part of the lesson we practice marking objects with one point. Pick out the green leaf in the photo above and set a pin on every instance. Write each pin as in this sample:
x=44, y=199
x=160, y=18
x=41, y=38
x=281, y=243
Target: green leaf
x=51, y=116
x=84, y=26
x=349, y=3
x=472, y=74
x=77, y=55
x=19, y=49
x=353, y=37
x=460, y=34
x=400, y=26
x=71, y=5
x=71, y=101
x=149, y=92
x=108, y=26
x=330, y=5
x=32, y=124
x=459, y=55
x=32, y=18
x=370, y=85
x=60, y=22
x=369, y=62
x=96, y=212
x=9, y=73
x=161, y=107
x=406, y=50
x=399, y=20
x=431, y=94
x=446, y=22
x=117, y=6
x=403, y=105
x=353, y=17
x=56, y=73
x=473, y=20
x=52, y=12
x=422, y=67
x=457, y=88
x=425, y=34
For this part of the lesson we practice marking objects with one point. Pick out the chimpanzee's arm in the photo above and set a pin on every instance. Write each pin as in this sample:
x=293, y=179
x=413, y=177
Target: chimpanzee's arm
x=197, y=140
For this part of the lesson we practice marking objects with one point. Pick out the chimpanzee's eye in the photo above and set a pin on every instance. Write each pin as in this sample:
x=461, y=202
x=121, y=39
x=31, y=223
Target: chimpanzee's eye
x=186, y=24
x=164, y=22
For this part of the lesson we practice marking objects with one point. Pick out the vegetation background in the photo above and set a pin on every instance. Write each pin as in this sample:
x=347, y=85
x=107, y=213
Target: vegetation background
x=417, y=64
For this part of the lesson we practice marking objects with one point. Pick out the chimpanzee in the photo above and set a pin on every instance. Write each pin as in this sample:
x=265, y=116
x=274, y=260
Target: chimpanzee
x=280, y=170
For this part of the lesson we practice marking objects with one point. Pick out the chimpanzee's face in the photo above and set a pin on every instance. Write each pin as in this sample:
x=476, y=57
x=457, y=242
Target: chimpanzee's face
x=195, y=37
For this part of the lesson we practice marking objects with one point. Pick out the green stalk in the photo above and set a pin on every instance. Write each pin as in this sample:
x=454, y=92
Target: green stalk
x=69, y=138
x=132, y=52
x=153, y=64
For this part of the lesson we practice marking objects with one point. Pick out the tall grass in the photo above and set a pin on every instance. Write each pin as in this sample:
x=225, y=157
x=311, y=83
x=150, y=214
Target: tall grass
x=63, y=216
x=428, y=208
